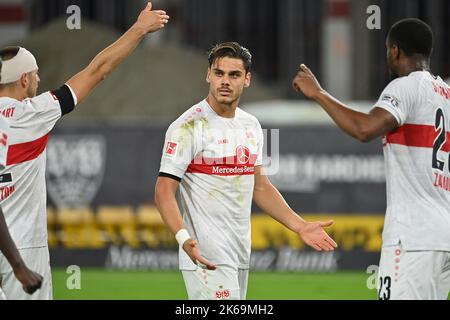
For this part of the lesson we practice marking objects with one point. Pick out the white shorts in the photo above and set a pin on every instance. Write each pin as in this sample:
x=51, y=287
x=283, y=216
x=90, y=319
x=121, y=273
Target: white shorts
x=36, y=259
x=223, y=283
x=413, y=275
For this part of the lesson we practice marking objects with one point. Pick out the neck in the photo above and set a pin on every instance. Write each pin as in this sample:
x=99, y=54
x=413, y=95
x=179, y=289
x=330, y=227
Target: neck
x=12, y=93
x=412, y=65
x=223, y=110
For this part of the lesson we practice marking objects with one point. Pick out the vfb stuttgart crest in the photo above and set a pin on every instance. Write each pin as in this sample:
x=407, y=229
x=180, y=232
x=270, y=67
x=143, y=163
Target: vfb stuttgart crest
x=242, y=155
x=75, y=168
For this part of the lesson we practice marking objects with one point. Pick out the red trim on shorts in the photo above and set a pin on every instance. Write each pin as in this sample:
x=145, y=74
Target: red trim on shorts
x=417, y=135
x=22, y=152
x=11, y=13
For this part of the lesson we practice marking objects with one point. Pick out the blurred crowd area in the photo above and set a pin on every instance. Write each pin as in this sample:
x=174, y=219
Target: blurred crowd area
x=331, y=36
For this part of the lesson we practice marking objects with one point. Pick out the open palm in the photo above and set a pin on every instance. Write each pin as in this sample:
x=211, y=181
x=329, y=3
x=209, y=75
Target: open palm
x=314, y=235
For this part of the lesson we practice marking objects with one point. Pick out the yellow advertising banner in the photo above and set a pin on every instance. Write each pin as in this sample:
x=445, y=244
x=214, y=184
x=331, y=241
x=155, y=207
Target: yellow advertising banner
x=143, y=227
x=349, y=231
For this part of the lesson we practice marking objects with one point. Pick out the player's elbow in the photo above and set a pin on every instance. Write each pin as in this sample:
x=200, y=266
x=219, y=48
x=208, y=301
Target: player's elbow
x=365, y=135
x=104, y=72
x=99, y=71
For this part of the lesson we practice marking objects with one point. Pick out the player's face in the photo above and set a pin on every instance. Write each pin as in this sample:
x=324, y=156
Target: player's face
x=33, y=83
x=227, y=79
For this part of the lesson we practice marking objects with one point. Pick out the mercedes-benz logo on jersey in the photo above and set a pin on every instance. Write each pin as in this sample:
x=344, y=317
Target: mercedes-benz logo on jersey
x=242, y=154
x=75, y=168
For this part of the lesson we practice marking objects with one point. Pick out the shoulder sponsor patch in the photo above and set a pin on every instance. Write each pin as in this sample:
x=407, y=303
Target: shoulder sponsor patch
x=391, y=100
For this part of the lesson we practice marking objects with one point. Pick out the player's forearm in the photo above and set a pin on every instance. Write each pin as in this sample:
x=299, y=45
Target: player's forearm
x=107, y=60
x=168, y=208
x=355, y=123
x=7, y=246
x=270, y=200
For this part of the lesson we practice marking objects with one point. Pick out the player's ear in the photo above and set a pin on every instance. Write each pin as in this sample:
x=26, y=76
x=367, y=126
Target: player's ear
x=395, y=51
x=208, y=75
x=248, y=79
x=24, y=80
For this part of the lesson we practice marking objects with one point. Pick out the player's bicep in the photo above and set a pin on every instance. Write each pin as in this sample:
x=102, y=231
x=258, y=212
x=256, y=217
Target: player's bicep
x=84, y=82
x=261, y=179
x=382, y=121
x=166, y=187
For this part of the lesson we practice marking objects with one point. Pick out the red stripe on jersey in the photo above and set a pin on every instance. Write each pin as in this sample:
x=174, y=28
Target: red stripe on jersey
x=11, y=13
x=227, y=166
x=222, y=169
x=417, y=135
x=18, y=153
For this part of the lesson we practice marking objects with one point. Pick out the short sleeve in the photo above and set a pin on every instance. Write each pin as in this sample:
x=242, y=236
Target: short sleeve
x=44, y=111
x=398, y=98
x=178, y=151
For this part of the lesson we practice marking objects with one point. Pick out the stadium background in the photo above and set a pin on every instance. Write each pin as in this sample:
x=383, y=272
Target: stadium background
x=103, y=159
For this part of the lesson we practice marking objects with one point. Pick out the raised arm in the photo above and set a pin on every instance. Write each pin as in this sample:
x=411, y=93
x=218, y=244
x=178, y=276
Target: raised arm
x=359, y=125
x=269, y=199
x=106, y=61
x=30, y=280
x=166, y=203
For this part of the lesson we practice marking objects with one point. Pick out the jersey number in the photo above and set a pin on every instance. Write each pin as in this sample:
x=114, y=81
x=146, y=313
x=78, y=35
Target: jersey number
x=385, y=288
x=440, y=140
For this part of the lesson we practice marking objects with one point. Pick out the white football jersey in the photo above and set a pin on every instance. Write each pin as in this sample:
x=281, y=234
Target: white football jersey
x=23, y=195
x=215, y=158
x=417, y=163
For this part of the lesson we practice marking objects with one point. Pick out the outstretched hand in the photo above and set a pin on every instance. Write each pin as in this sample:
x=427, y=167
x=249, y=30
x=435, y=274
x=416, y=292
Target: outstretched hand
x=314, y=235
x=306, y=82
x=152, y=20
x=191, y=248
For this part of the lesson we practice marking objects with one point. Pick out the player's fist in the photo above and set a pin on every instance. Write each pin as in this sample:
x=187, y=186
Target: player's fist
x=152, y=20
x=306, y=82
x=30, y=280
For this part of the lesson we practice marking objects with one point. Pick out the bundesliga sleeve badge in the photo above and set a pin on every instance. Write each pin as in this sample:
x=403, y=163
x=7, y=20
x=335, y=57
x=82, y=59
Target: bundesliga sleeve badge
x=171, y=149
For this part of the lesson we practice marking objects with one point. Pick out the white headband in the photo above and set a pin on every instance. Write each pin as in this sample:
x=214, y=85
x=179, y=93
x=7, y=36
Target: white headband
x=13, y=69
